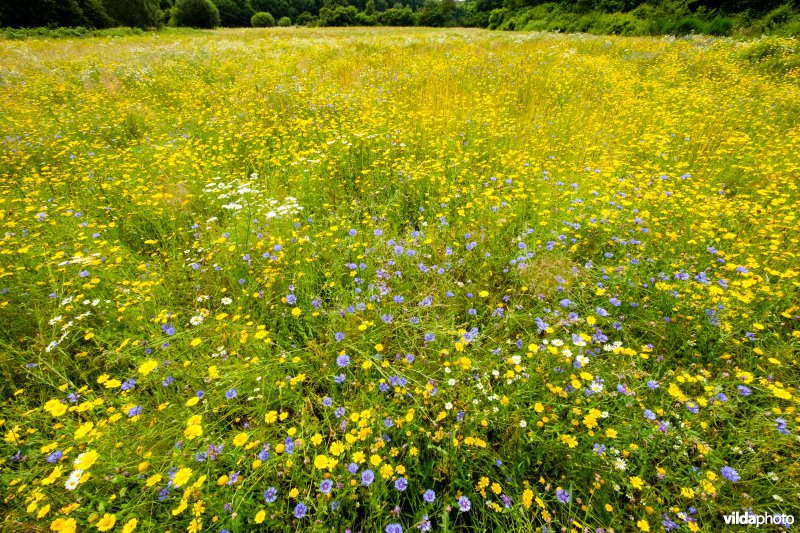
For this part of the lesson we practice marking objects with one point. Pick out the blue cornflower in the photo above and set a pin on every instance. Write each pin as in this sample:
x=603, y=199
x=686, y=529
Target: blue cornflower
x=730, y=474
x=464, y=504
x=367, y=477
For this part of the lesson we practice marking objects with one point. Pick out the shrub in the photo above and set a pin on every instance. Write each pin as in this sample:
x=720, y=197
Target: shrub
x=684, y=26
x=234, y=13
x=431, y=14
x=262, y=19
x=285, y=22
x=134, y=13
x=338, y=16
x=66, y=32
x=720, y=26
x=497, y=17
x=397, y=16
x=619, y=24
x=304, y=18
x=195, y=14
x=362, y=19
x=781, y=20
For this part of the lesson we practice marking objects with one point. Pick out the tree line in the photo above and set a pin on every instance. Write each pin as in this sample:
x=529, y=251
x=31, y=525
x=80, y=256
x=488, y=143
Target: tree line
x=627, y=17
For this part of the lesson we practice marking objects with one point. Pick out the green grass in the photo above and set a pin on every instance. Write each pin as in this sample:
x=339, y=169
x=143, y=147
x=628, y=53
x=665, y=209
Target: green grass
x=499, y=266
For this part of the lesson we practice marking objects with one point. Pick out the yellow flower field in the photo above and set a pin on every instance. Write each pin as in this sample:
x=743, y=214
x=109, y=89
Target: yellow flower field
x=397, y=280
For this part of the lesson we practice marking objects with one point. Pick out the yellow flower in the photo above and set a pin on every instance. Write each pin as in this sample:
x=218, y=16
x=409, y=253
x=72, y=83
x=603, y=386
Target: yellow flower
x=152, y=480
x=316, y=439
x=569, y=440
x=55, y=408
x=611, y=433
x=240, y=439
x=321, y=461
x=182, y=476
x=637, y=482
x=337, y=448
x=271, y=417
x=130, y=525
x=107, y=522
x=296, y=311
x=193, y=431
x=375, y=460
x=85, y=460
x=293, y=493
x=63, y=525
x=54, y=475
x=83, y=430
x=180, y=508
x=527, y=498
x=643, y=525
x=260, y=516
x=147, y=367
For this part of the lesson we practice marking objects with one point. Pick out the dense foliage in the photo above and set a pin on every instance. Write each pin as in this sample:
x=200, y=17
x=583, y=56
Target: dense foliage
x=195, y=14
x=398, y=280
x=262, y=19
x=626, y=17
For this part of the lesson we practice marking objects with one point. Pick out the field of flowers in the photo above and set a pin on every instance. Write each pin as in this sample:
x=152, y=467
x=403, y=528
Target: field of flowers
x=397, y=280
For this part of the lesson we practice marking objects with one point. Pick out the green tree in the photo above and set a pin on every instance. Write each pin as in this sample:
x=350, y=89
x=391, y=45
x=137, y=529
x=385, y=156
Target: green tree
x=96, y=14
x=196, y=14
x=29, y=14
x=362, y=19
x=397, y=16
x=134, y=13
x=262, y=19
x=431, y=14
x=338, y=16
x=278, y=8
x=234, y=13
x=304, y=18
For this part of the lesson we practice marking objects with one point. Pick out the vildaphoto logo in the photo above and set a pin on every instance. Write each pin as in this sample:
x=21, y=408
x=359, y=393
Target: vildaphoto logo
x=750, y=519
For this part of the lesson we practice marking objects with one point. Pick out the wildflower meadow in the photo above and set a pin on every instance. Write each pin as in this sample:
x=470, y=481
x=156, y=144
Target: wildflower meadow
x=390, y=280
